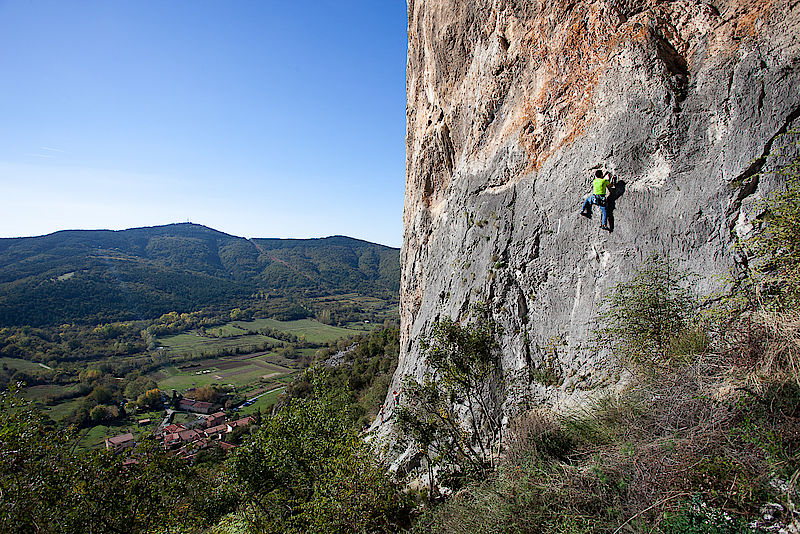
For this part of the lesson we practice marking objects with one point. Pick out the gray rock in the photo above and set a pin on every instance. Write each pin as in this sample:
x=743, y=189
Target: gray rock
x=512, y=105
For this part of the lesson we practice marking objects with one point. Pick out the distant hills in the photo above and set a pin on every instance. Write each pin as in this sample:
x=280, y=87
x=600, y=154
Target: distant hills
x=104, y=275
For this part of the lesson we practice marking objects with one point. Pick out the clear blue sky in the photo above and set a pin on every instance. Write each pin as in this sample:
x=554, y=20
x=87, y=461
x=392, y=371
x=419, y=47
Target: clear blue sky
x=258, y=118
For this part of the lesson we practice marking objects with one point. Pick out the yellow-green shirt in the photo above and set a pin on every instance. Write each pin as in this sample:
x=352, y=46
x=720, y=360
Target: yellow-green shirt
x=599, y=185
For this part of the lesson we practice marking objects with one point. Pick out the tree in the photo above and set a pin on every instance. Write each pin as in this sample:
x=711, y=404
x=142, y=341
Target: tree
x=206, y=394
x=98, y=414
x=47, y=487
x=139, y=385
x=453, y=415
x=642, y=317
x=150, y=400
x=307, y=470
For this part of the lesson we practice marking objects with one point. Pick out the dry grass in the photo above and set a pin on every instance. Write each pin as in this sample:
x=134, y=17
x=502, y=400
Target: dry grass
x=718, y=429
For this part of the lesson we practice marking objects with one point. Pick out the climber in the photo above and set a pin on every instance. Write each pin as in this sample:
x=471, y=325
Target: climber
x=602, y=182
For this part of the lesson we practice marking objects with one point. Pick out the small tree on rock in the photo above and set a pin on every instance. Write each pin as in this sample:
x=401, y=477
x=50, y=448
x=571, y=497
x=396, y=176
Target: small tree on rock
x=453, y=415
x=642, y=318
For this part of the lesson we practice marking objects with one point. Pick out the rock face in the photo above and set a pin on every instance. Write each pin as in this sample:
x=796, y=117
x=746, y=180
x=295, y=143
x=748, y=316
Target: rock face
x=512, y=104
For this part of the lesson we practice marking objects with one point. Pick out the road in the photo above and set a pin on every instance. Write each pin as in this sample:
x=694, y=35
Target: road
x=265, y=392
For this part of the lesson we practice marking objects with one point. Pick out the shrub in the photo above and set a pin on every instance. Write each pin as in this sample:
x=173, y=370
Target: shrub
x=453, y=415
x=775, y=247
x=642, y=318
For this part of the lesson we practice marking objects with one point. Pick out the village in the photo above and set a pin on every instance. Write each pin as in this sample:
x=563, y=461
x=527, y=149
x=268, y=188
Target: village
x=210, y=429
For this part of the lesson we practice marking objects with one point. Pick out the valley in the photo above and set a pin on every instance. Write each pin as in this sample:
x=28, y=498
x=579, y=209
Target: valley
x=94, y=323
x=236, y=361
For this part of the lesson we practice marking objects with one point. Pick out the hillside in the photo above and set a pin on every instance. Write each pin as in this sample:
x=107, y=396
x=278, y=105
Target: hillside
x=141, y=273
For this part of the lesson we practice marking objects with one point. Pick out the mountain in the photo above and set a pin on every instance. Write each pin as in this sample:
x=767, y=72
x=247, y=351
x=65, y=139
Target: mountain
x=103, y=275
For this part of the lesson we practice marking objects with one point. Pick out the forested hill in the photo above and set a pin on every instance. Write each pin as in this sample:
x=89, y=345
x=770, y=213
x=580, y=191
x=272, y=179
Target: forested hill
x=103, y=275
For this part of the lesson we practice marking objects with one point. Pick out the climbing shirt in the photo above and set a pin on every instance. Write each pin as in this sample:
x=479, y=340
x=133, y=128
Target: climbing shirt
x=599, y=186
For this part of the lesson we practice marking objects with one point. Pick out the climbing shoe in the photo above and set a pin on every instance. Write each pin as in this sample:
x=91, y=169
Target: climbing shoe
x=586, y=214
x=605, y=227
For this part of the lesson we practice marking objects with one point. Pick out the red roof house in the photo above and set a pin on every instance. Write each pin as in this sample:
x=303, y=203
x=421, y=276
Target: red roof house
x=123, y=441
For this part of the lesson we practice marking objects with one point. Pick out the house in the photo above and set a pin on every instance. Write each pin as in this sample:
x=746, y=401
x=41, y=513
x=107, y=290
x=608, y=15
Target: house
x=218, y=432
x=191, y=405
x=214, y=419
x=171, y=429
x=227, y=447
x=189, y=435
x=171, y=440
x=242, y=422
x=123, y=441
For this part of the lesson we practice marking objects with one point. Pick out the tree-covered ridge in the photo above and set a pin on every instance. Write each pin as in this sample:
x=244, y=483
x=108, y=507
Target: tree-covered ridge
x=141, y=273
x=331, y=262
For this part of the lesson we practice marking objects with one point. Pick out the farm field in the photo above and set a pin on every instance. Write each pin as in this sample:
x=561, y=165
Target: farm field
x=58, y=412
x=314, y=331
x=236, y=336
x=195, y=343
x=38, y=393
x=243, y=373
x=94, y=437
x=233, y=354
x=22, y=365
x=263, y=402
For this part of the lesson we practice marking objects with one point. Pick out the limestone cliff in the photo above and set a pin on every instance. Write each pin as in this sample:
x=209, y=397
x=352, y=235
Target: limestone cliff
x=511, y=106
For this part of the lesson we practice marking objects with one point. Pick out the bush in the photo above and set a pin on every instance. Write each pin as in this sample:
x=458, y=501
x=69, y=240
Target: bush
x=644, y=319
x=453, y=415
x=775, y=247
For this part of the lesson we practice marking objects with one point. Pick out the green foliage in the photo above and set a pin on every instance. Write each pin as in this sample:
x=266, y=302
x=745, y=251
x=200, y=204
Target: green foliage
x=642, y=318
x=696, y=517
x=453, y=415
x=776, y=247
x=549, y=372
x=45, y=486
x=150, y=400
x=307, y=470
x=365, y=369
x=94, y=277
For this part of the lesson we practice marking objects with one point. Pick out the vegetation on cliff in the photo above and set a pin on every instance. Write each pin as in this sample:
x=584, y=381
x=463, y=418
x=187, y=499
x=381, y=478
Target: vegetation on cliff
x=704, y=435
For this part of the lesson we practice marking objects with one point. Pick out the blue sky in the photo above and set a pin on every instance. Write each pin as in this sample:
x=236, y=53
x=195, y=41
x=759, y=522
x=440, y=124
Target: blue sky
x=257, y=118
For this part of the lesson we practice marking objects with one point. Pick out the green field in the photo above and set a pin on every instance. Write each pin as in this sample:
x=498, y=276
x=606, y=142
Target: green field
x=226, y=330
x=314, y=331
x=61, y=410
x=249, y=373
x=263, y=402
x=243, y=373
x=38, y=393
x=95, y=436
x=22, y=365
x=194, y=343
x=233, y=336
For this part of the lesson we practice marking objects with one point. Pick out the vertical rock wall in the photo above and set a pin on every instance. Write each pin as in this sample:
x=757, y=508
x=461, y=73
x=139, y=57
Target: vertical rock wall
x=511, y=106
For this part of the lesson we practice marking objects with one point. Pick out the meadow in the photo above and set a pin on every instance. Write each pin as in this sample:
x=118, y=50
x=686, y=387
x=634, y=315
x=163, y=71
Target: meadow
x=241, y=336
x=22, y=365
x=194, y=343
x=243, y=373
x=308, y=329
